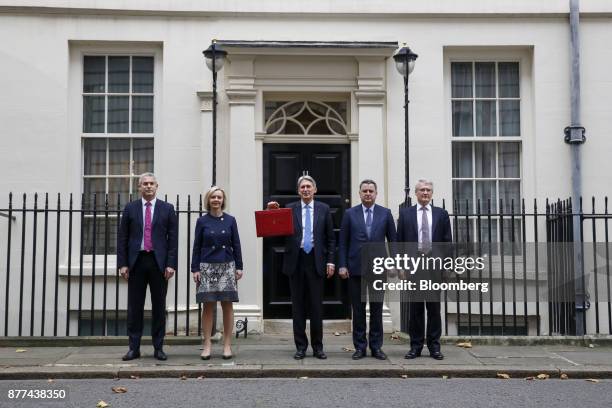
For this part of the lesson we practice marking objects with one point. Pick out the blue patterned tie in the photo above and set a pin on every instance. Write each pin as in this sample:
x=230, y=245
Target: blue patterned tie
x=307, y=231
x=369, y=221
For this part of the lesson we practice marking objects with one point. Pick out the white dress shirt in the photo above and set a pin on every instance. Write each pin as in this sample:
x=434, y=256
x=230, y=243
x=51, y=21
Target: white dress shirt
x=144, y=214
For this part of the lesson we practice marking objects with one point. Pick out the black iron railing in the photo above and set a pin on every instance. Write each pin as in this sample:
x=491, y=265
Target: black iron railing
x=60, y=277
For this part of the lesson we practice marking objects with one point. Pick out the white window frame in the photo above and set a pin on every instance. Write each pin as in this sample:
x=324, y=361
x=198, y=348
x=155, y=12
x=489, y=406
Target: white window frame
x=77, y=51
x=522, y=55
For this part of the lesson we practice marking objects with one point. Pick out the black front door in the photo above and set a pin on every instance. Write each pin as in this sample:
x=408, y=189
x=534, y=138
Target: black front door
x=282, y=165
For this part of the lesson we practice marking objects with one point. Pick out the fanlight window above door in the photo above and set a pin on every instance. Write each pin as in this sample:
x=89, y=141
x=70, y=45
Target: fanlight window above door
x=306, y=118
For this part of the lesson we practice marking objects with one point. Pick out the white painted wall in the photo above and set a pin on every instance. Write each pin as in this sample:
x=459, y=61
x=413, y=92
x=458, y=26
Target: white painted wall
x=40, y=105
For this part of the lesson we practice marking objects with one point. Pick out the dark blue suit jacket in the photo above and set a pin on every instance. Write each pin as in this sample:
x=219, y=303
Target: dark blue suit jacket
x=164, y=235
x=353, y=235
x=322, y=232
x=407, y=225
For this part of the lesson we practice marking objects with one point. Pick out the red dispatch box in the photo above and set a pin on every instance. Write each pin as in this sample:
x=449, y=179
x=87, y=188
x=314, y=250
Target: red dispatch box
x=274, y=223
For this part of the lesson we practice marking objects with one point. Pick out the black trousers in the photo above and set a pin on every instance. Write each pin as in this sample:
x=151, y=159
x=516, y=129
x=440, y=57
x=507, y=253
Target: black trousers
x=416, y=325
x=357, y=286
x=307, y=299
x=146, y=272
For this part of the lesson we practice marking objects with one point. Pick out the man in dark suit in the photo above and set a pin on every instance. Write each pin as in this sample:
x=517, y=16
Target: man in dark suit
x=362, y=224
x=309, y=257
x=147, y=248
x=424, y=224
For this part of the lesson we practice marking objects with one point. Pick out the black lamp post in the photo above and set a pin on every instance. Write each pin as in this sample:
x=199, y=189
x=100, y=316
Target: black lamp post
x=215, y=58
x=404, y=62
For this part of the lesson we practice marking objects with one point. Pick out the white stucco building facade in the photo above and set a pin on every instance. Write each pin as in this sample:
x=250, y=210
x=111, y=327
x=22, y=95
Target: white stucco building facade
x=83, y=80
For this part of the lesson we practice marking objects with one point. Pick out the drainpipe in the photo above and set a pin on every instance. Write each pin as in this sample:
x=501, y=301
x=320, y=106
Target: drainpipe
x=574, y=136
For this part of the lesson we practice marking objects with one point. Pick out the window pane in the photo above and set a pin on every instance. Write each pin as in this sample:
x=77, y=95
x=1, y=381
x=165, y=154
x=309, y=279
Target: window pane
x=119, y=156
x=105, y=238
x=93, y=74
x=461, y=79
x=486, y=123
x=485, y=190
x=509, y=160
x=462, y=118
x=465, y=230
x=484, y=227
x=143, y=156
x=485, y=159
x=462, y=191
x=134, y=192
x=93, y=114
x=510, y=190
x=118, y=186
x=508, y=79
x=142, y=114
x=118, y=114
x=509, y=118
x=119, y=74
x=462, y=159
x=94, y=156
x=485, y=79
x=142, y=74
x=93, y=186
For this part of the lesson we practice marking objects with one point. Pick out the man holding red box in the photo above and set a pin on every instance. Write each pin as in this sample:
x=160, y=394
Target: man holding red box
x=309, y=257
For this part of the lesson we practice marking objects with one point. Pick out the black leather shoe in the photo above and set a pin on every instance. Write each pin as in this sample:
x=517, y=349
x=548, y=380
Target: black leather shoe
x=299, y=355
x=412, y=353
x=319, y=354
x=160, y=355
x=358, y=354
x=379, y=354
x=436, y=355
x=131, y=355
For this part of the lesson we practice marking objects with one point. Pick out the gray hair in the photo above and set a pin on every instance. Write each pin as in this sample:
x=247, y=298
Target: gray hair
x=424, y=181
x=143, y=175
x=306, y=178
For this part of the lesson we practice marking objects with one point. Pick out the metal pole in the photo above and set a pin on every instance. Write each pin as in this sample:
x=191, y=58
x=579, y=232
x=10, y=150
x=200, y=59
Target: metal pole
x=407, y=140
x=214, y=118
x=576, y=166
x=214, y=153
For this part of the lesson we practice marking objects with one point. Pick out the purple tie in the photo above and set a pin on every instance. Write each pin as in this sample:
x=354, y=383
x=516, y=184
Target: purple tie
x=148, y=244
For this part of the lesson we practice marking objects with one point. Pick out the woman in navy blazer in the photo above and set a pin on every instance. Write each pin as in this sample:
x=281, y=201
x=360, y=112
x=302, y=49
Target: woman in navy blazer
x=216, y=265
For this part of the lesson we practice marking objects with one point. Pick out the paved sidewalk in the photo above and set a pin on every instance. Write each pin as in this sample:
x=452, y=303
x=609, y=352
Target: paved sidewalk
x=261, y=356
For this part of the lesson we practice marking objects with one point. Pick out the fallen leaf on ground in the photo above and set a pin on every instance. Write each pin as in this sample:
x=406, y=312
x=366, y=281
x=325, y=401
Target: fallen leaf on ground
x=542, y=376
x=134, y=377
x=593, y=380
x=119, y=390
x=564, y=376
x=404, y=376
x=183, y=377
x=503, y=376
x=101, y=404
x=347, y=349
x=530, y=378
x=465, y=344
x=20, y=351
